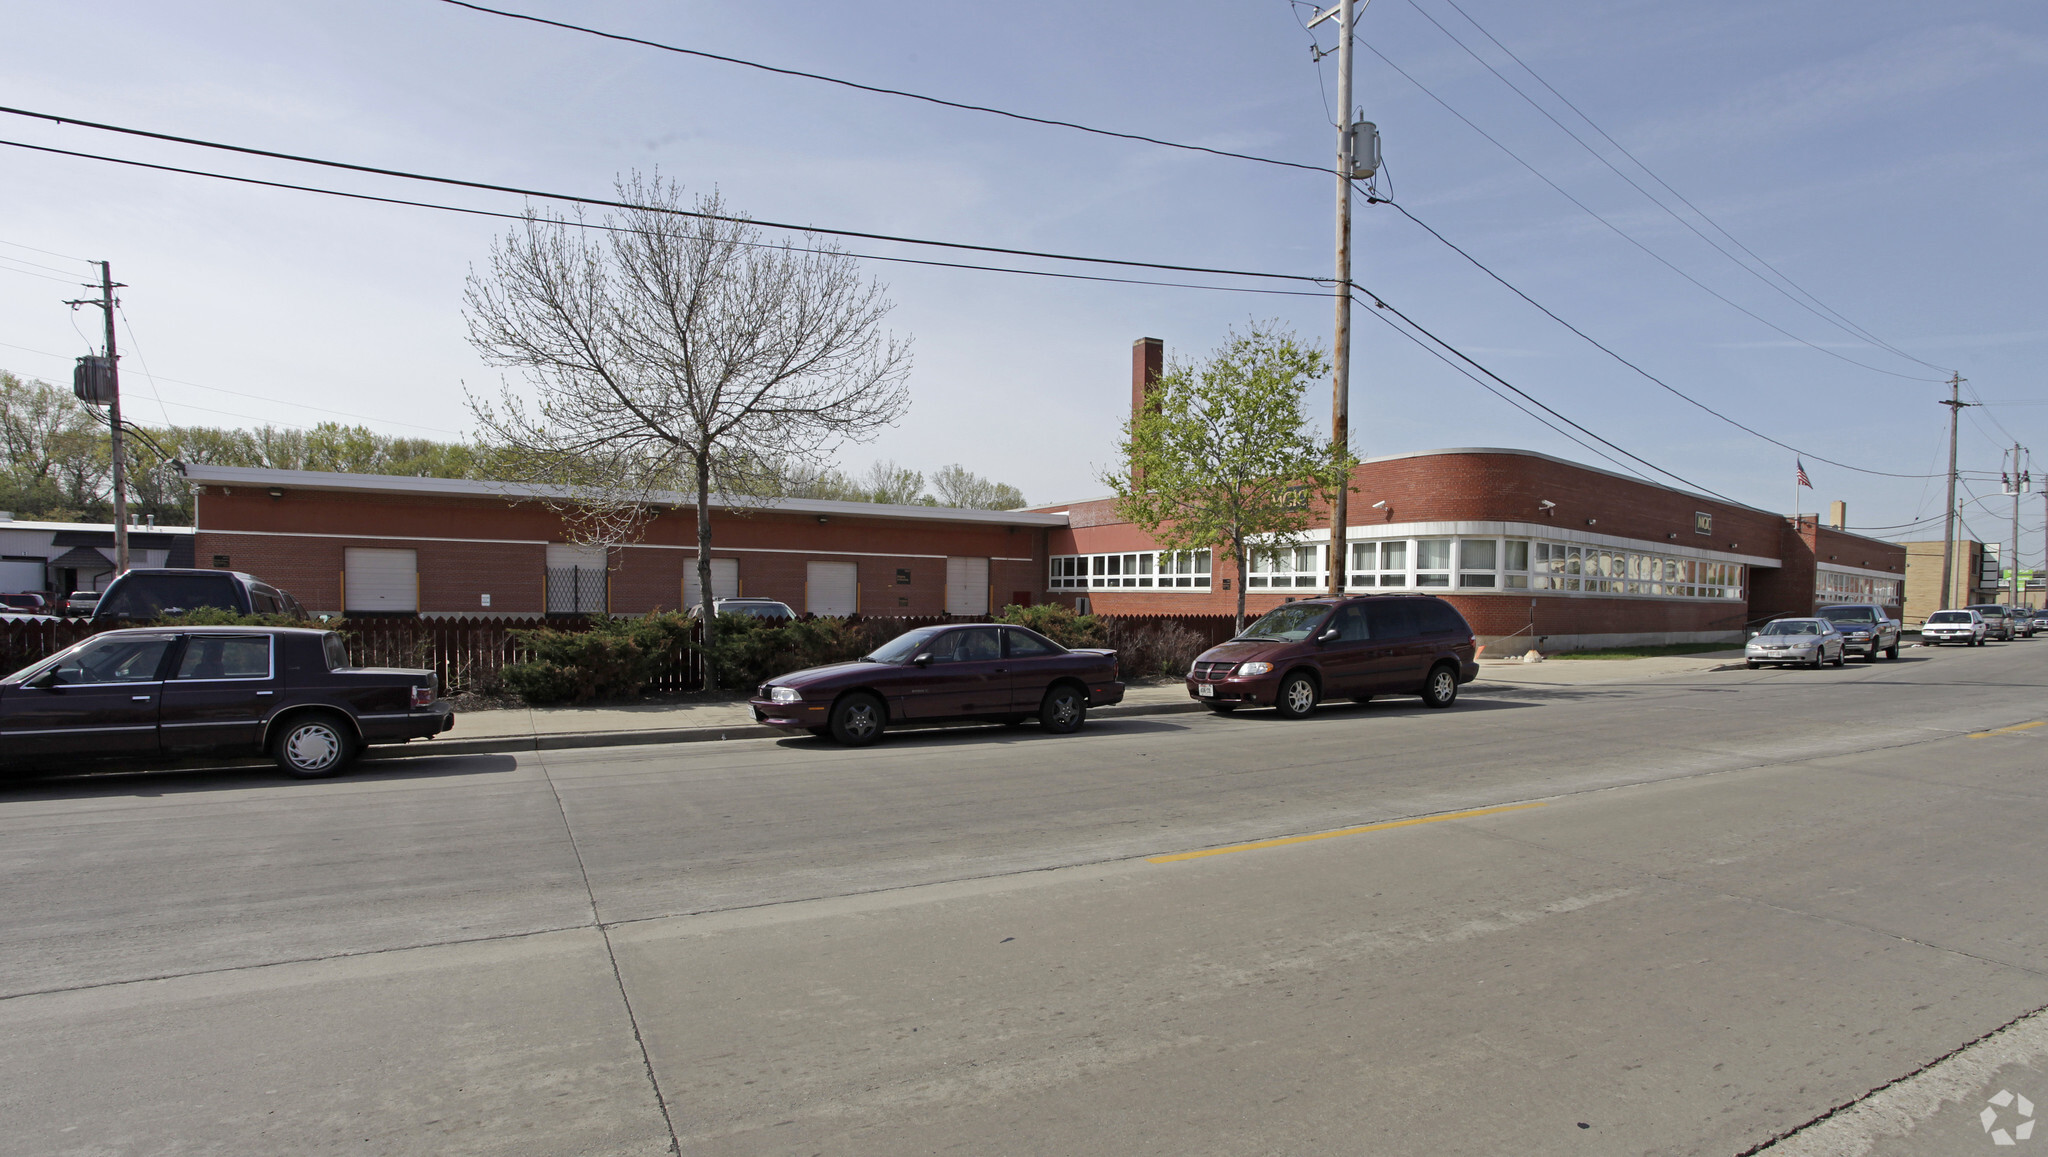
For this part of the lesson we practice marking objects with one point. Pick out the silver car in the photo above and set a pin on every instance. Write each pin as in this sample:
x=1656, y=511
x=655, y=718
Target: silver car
x=1807, y=642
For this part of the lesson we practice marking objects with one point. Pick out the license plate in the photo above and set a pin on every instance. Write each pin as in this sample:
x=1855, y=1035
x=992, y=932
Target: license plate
x=1206, y=690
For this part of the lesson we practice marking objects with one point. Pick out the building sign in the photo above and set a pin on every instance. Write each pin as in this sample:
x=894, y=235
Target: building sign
x=1295, y=498
x=1702, y=522
x=902, y=576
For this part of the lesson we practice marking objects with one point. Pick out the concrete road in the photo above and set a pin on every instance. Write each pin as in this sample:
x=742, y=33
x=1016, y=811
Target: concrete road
x=1690, y=915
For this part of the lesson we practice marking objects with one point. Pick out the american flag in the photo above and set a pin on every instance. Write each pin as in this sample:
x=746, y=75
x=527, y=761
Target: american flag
x=1803, y=479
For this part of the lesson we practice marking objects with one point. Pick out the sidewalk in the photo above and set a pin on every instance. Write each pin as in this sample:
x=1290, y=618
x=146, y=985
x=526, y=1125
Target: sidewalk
x=553, y=728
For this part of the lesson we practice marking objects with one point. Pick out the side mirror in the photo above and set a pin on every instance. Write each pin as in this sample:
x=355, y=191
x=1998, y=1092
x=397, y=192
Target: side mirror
x=1327, y=636
x=923, y=660
x=1754, y=634
x=47, y=679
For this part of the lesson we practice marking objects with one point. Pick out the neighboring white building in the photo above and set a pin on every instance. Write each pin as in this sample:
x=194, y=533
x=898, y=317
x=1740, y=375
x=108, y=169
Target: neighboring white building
x=56, y=558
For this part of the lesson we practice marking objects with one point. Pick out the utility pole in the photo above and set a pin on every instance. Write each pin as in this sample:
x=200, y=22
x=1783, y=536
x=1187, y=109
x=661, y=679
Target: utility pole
x=1955, y=405
x=2018, y=484
x=113, y=384
x=1340, y=359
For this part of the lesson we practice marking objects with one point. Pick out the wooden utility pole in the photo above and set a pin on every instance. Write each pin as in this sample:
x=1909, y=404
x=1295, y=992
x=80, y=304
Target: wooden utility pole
x=113, y=400
x=1340, y=357
x=1955, y=405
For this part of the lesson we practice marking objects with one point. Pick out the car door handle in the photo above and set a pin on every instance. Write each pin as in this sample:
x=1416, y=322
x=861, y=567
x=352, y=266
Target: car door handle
x=266, y=692
x=139, y=698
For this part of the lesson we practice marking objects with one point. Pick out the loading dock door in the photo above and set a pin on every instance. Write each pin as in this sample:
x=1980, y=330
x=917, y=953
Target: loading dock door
x=966, y=586
x=380, y=581
x=23, y=576
x=725, y=581
x=832, y=588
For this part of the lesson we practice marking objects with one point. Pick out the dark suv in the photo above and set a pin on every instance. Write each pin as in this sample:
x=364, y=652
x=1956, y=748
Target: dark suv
x=146, y=595
x=1302, y=653
x=1866, y=630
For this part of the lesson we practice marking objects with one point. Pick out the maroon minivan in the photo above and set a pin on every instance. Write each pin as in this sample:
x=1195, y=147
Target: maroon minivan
x=1302, y=653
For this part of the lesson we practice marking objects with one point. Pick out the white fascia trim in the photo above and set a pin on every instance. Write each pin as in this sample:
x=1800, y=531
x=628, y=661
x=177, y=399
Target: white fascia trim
x=1863, y=572
x=716, y=550
x=1542, y=530
x=254, y=477
x=382, y=537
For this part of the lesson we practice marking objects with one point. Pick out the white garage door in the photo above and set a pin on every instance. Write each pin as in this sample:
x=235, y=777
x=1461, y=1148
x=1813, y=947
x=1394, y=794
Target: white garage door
x=381, y=581
x=966, y=586
x=832, y=588
x=21, y=576
x=725, y=580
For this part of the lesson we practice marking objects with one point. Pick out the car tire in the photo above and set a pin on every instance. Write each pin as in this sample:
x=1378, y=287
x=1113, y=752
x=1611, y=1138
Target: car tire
x=1891, y=652
x=1842, y=658
x=1063, y=710
x=1361, y=699
x=1441, y=688
x=1871, y=656
x=1818, y=660
x=857, y=720
x=1221, y=708
x=1753, y=664
x=314, y=745
x=1297, y=697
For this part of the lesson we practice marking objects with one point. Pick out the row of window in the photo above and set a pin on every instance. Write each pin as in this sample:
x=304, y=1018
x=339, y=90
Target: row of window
x=1502, y=564
x=1835, y=587
x=1145, y=570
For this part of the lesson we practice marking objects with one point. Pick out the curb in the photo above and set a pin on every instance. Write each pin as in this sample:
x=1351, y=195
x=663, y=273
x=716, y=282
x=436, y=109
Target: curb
x=564, y=740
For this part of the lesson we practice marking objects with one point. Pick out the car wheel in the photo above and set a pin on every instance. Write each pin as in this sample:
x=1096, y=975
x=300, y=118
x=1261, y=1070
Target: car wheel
x=1842, y=657
x=1064, y=709
x=1819, y=657
x=1361, y=698
x=1441, y=689
x=1871, y=655
x=314, y=746
x=1753, y=664
x=1297, y=697
x=857, y=720
x=1892, y=652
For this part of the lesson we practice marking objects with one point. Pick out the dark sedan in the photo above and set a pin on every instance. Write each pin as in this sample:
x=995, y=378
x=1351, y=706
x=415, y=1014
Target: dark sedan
x=981, y=671
x=145, y=693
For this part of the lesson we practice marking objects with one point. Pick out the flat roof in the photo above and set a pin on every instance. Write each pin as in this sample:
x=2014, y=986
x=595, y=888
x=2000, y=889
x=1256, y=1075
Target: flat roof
x=108, y=527
x=516, y=492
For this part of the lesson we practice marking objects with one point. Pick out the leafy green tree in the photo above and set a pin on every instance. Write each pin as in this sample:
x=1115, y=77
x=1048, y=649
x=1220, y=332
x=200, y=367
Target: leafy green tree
x=1224, y=458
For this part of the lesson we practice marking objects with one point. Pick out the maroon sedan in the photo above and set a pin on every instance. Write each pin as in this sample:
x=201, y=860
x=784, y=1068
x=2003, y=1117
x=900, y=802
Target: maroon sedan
x=980, y=671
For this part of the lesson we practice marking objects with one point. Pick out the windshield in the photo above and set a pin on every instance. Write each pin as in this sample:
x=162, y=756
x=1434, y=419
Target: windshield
x=1949, y=617
x=903, y=647
x=1847, y=615
x=1289, y=624
x=1793, y=627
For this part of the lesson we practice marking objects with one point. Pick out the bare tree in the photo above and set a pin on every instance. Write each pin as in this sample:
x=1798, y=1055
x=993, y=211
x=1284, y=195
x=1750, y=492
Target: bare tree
x=956, y=485
x=673, y=349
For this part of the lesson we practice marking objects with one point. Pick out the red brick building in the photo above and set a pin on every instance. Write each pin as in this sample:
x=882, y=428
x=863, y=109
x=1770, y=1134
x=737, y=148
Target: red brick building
x=1533, y=550
x=376, y=544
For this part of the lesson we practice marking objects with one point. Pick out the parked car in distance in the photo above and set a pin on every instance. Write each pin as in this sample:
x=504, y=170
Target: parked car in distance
x=1954, y=626
x=78, y=604
x=1807, y=642
x=2040, y=620
x=145, y=693
x=1865, y=628
x=759, y=608
x=2022, y=621
x=983, y=671
x=144, y=595
x=1997, y=624
x=1299, y=654
x=33, y=604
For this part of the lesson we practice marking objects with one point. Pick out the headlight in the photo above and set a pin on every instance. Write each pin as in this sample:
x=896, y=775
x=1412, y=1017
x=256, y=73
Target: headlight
x=1255, y=669
x=784, y=695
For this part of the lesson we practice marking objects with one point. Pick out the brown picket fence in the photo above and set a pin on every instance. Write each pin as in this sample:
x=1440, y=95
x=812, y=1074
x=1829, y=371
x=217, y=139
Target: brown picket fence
x=466, y=653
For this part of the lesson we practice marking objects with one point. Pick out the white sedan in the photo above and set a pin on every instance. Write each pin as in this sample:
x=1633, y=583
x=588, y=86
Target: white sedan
x=1807, y=642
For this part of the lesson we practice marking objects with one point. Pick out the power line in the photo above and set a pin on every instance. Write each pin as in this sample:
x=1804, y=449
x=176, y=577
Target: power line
x=942, y=102
x=33, y=273
x=1624, y=235
x=45, y=252
x=1596, y=344
x=607, y=203
x=1837, y=320
x=1467, y=359
x=622, y=229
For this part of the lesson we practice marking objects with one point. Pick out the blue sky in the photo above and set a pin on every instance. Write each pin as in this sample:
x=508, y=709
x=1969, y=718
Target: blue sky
x=1887, y=158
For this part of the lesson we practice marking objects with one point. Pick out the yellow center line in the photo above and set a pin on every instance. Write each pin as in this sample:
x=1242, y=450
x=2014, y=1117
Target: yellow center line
x=1285, y=840
x=2013, y=730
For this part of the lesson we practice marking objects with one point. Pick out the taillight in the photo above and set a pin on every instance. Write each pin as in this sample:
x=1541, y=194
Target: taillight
x=423, y=696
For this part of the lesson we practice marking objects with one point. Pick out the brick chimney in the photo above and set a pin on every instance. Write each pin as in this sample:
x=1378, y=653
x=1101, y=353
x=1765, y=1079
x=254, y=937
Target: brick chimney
x=1148, y=361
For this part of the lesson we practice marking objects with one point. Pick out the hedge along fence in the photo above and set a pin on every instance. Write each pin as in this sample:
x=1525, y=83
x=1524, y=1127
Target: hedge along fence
x=468, y=653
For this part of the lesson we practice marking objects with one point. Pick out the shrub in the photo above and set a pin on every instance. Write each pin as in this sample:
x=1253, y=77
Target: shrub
x=1059, y=623
x=614, y=657
x=1165, y=648
x=223, y=617
x=750, y=650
